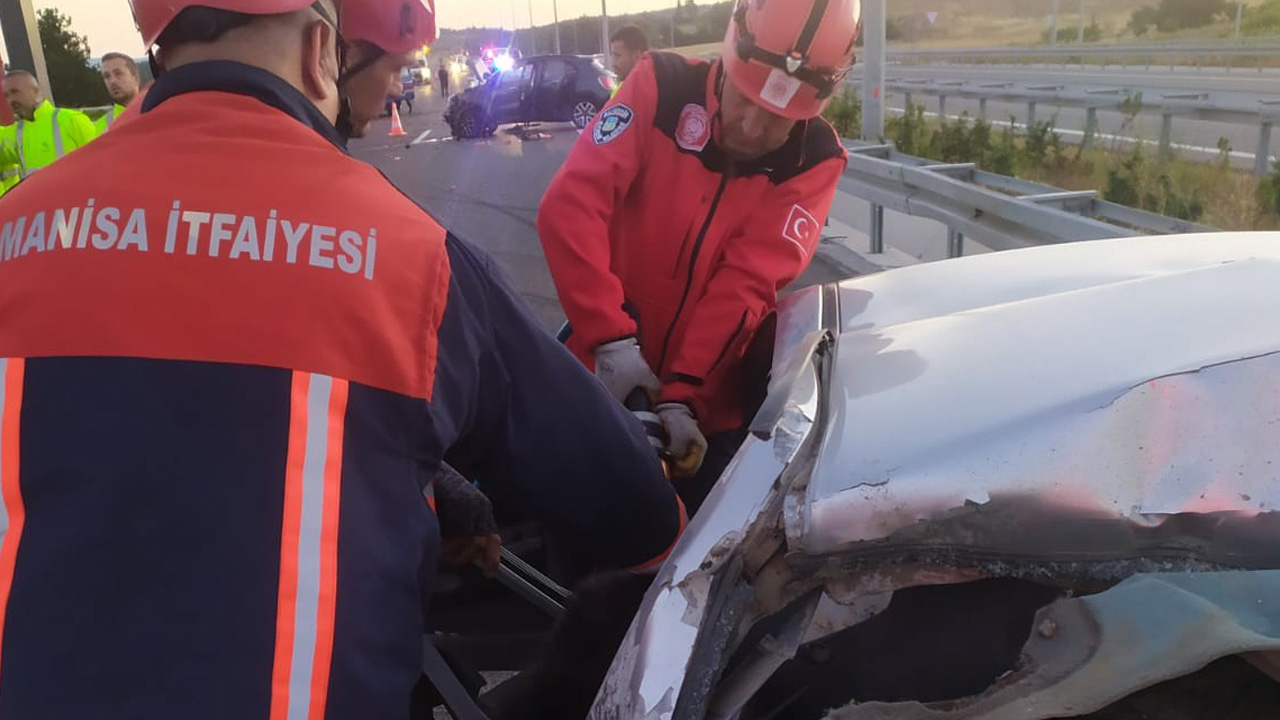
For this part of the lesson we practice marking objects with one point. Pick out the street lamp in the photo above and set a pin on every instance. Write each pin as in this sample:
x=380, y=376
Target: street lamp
x=604, y=33
x=555, y=15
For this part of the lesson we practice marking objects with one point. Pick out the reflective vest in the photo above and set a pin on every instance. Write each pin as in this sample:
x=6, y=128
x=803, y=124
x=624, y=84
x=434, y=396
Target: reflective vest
x=52, y=134
x=10, y=170
x=105, y=122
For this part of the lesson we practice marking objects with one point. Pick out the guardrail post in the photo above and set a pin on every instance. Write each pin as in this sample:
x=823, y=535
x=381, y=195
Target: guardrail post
x=1031, y=113
x=1166, y=135
x=1090, y=128
x=982, y=109
x=942, y=108
x=907, y=102
x=955, y=243
x=877, y=229
x=1262, y=157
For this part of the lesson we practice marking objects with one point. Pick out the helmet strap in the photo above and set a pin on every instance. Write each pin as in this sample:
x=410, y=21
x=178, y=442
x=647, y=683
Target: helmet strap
x=156, y=68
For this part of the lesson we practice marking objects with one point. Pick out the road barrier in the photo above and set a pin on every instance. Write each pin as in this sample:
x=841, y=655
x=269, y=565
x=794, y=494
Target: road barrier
x=1000, y=212
x=1258, y=49
x=1200, y=106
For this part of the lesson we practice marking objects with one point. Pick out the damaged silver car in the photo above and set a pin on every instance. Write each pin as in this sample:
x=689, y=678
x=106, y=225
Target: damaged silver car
x=1031, y=484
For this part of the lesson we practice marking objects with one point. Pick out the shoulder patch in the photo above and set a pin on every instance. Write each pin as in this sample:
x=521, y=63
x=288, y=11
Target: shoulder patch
x=612, y=123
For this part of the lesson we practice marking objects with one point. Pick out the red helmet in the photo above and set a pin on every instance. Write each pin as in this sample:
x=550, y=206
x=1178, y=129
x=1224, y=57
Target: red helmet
x=153, y=16
x=790, y=56
x=396, y=26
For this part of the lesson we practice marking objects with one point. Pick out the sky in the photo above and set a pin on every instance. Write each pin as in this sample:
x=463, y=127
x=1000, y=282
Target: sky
x=110, y=26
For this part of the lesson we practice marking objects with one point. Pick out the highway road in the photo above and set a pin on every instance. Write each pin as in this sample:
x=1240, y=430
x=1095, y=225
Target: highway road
x=1197, y=139
x=488, y=191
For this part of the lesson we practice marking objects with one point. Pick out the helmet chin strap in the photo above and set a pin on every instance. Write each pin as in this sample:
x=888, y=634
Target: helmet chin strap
x=344, y=124
x=156, y=68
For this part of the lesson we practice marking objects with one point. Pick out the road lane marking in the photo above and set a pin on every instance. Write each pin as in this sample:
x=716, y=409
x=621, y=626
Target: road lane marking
x=422, y=138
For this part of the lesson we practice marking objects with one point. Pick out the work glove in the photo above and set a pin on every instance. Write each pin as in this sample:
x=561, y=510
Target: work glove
x=685, y=442
x=622, y=369
x=468, y=530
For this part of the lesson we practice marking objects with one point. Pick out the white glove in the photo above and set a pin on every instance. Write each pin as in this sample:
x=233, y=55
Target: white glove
x=685, y=442
x=622, y=369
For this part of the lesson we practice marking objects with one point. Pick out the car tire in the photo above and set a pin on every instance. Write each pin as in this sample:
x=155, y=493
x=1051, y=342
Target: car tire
x=471, y=123
x=583, y=111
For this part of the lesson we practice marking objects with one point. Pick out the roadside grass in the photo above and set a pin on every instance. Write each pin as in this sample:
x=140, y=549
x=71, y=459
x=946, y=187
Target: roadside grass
x=1209, y=193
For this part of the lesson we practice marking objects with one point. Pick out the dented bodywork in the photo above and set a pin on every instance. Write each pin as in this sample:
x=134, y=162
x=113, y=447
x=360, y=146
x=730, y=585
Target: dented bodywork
x=1101, y=417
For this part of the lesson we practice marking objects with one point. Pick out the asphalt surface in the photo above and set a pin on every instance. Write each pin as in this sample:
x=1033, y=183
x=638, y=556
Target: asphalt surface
x=1197, y=138
x=488, y=191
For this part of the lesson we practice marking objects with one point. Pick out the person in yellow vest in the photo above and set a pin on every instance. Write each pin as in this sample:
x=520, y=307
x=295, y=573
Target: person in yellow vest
x=626, y=47
x=120, y=75
x=42, y=133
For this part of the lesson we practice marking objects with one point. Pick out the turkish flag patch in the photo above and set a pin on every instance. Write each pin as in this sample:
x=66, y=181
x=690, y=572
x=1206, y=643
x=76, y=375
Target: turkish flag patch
x=802, y=229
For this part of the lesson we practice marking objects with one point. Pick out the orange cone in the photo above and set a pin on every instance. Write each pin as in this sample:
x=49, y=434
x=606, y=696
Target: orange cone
x=397, y=129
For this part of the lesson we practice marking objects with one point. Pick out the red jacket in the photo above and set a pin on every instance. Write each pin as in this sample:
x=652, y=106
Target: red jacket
x=651, y=231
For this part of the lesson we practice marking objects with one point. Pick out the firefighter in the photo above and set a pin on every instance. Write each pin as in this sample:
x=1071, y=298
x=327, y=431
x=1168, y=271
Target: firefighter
x=688, y=203
x=232, y=359
x=378, y=50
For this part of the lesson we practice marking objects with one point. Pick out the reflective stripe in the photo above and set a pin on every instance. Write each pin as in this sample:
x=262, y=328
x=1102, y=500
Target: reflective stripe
x=309, y=549
x=12, y=514
x=22, y=153
x=58, y=147
x=57, y=136
x=111, y=117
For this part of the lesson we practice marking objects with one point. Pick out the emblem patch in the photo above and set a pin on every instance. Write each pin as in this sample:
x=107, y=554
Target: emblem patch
x=779, y=88
x=612, y=123
x=694, y=131
x=802, y=229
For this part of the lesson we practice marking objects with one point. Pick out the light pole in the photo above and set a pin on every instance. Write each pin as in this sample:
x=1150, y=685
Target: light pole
x=533, y=34
x=1080, y=34
x=18, y=20
x=604, y=33
x=1053, y=25
x=555, y=14
x=674, y=13
x=1239, y=13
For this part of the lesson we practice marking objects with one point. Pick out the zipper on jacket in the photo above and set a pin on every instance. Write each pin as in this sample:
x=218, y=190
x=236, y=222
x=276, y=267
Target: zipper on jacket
x=693, y=264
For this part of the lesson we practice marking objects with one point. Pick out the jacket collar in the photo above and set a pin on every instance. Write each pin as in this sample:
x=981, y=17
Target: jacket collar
x=240, y=79
x=43, y=112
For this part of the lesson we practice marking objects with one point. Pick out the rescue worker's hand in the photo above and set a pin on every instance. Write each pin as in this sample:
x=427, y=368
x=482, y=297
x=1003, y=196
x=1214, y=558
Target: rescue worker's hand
x=469, y=533
x=685, y=442
x=621, y=367
x=483, y=551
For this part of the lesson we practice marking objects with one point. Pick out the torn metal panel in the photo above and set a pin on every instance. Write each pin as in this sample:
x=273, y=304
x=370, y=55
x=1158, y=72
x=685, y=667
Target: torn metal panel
x=1089, y=652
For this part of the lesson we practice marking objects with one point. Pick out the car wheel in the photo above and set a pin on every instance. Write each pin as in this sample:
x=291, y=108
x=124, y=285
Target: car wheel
x=583, y=112
x=469, y=125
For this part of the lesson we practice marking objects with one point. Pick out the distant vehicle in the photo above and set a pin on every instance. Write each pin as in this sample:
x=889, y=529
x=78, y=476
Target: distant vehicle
x=421, y=71
x=500, y=59
x=550, y=88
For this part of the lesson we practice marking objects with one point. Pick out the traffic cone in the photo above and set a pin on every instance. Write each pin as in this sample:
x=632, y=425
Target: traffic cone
x=397, y=129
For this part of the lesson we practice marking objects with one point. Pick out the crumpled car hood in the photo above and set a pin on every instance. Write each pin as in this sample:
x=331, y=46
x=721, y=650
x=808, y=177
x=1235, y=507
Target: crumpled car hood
x=1096, y=400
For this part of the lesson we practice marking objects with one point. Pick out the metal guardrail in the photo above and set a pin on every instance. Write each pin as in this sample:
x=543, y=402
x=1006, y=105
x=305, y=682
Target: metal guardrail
x=999, y=211
x=1259, y=48
x=1200, y=106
